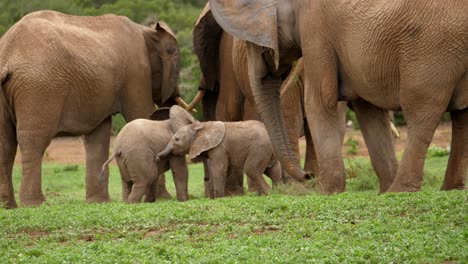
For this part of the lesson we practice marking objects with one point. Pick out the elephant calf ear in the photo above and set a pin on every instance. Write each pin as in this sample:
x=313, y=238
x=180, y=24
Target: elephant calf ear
x=209, y=135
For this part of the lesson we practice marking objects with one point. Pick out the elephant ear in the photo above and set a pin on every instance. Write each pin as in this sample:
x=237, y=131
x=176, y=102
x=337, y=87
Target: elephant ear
x=160, y=114
x=209, y=135
x=206, y=38
x=180, y=117
x=249, y=20
x=163, y=50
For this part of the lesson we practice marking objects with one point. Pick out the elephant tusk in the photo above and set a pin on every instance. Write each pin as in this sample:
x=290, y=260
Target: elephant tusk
x=183, y=104
x=196, y=100
x=394, y=130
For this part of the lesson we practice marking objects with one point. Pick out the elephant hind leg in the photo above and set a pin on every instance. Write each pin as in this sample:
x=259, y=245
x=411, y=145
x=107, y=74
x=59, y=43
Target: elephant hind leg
x=425, y=95
x=457, y=169
x=275, y=173
x=254, y=170
x=32, y=145
x=375, y=127
x=8, y=146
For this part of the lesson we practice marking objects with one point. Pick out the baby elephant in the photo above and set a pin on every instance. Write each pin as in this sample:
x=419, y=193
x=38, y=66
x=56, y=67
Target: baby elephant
x=228, y=147
x=135, y=148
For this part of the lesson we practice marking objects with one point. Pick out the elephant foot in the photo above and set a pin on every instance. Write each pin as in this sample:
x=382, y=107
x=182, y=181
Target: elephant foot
x=98, y=199
x=32, y=201
x=460, y=187
x=8, y=203
x=163, y=194
x=234, y=190
x=397, y=187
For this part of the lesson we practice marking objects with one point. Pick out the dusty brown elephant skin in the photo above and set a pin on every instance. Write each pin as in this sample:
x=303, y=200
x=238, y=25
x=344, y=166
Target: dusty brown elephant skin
x=378, y=55
x=135, y=149
x=226, y=87
x=67, y=75
x=228, y=146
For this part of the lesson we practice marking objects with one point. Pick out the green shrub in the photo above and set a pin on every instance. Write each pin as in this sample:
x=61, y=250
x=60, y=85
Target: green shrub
x=435, y=151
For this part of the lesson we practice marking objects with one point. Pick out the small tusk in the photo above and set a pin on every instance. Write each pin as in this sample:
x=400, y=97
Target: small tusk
x=183, y=104
x=196, y=100
x=394, y=130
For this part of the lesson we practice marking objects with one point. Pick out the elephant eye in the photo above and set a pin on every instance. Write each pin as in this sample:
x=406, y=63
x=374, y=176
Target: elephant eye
x=176, y=139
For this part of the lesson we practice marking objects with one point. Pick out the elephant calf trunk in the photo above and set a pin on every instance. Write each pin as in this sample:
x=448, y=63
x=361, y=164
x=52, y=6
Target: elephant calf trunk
x=165, y=152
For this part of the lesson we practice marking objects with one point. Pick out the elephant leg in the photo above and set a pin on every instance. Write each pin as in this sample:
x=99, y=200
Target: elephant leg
x=207, y=180
x=161, y=190
x=235, y=181
x=97, y=152
x=327, y=130
x=275, y=173
x=256, y=177
x=126, y=188
x=138, y=190
x=457, y=169
x=125, y=177
x=310, y=163
x=254, y=167
x=218, y=162
x=179, y=169
x=425, y=95
x=32, y=146
x=8, y=146
x=375, y=127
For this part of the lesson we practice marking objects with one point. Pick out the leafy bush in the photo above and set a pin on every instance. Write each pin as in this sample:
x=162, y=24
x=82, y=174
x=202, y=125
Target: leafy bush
x=435, y=151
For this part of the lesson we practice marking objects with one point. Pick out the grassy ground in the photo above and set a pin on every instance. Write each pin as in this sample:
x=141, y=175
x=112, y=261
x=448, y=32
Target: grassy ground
x=356, y=226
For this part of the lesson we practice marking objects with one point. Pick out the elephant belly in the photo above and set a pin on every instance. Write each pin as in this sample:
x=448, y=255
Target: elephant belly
x=376, y=86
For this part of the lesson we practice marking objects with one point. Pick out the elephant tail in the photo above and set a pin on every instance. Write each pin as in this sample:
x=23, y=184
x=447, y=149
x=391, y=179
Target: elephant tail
x=116, y=154
x=3, y=98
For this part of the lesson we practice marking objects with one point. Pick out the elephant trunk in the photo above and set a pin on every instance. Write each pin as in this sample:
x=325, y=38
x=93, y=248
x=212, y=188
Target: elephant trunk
x=165, y=152
x=267, y=98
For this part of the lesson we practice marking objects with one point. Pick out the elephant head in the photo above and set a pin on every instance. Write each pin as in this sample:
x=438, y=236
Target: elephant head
x=164, y=56
x=195, y=139
x=268, y=27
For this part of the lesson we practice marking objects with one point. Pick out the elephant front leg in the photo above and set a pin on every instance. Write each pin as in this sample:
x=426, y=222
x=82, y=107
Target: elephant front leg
x=8, y=145
x=457, y=169
x=97, y=152
x=218, y=162
x=180, y=174
x=375, y=127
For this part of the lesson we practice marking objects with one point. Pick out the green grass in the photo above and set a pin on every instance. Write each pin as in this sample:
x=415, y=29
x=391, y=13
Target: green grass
x=358, y=226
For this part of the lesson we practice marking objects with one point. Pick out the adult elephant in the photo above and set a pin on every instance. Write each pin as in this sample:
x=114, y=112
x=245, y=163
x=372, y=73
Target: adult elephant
x=226, y=87
x=67, y=75
x=408, y=55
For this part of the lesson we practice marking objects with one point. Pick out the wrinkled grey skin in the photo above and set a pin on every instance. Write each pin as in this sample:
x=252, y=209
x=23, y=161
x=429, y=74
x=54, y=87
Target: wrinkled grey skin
x=377, y=55
x=67, y=75
x=226, y=147
x=134, y=151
